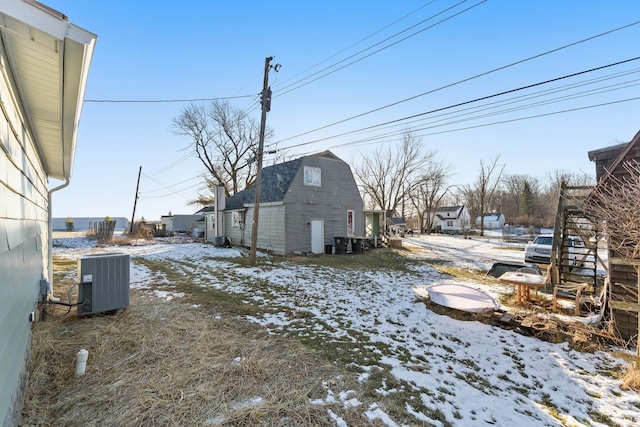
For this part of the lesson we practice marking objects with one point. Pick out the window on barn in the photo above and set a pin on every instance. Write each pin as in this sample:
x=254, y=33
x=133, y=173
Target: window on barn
x=312, y=176
x=350, y=223
x=235, y=219
x=449, y=223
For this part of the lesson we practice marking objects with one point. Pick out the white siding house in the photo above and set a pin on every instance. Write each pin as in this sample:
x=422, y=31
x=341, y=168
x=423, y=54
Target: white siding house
x=492, y=221
x=43, y=73
x=452, y=219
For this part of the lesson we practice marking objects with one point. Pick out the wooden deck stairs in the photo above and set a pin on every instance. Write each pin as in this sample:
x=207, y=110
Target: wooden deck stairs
x=573, y=269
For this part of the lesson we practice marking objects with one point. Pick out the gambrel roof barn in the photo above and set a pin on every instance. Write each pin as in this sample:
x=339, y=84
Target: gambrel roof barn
x=304, y=205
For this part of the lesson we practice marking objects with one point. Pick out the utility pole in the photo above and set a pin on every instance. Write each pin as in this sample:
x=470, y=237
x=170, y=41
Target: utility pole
x=135, y=201
x=266, y=106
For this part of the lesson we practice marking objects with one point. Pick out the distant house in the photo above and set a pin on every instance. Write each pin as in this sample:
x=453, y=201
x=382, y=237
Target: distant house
x=45, y=62
x=396, y=225
x=182, y=223
x=84, y=223
x=452, y=219
x=213, y=217
x=207, y=222
x=610, y=161
x=304, y=205
x=492, y=221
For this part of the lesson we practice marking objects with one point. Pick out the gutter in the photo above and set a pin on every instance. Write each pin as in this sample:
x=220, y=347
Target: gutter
x=49, y=291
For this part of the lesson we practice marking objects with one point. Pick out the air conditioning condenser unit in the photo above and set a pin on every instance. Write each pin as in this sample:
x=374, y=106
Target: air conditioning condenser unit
x=104, y=283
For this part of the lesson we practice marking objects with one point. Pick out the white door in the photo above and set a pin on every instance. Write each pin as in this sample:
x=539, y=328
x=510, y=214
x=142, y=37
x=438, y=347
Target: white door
x=317, y=236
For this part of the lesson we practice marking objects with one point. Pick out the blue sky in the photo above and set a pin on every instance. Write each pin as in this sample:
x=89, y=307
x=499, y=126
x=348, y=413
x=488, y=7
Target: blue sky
x=206, y=49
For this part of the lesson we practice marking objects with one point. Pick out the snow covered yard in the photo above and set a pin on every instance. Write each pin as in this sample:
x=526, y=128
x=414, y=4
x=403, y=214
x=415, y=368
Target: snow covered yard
x=414, y=366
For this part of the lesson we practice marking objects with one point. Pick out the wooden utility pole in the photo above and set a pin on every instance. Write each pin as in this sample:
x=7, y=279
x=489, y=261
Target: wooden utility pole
x=135, y=201
x=266, y=106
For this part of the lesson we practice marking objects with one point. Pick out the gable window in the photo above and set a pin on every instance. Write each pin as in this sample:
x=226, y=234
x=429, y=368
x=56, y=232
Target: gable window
x=350, y=223
x=312, y=176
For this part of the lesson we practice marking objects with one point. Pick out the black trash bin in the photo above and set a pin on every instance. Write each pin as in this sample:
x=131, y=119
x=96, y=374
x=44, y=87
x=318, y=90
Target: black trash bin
x=328, y=249
x=341, y=245
x=356, y=244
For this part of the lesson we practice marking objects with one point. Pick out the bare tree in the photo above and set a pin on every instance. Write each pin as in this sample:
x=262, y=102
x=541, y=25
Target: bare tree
x=485, y=187
x=548, y=200
x=225, y=140
x=387, y=177
x=558, y=176
x=428, y=192
x=616, y=204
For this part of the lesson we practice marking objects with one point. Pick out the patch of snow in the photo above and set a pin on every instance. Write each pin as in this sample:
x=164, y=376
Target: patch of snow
x=375, y=413
x=168, y=295
x=469, y=372
x=339, y=421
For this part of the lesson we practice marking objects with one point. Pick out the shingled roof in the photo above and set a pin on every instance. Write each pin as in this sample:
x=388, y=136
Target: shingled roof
x=276, y=180
x=445, y=209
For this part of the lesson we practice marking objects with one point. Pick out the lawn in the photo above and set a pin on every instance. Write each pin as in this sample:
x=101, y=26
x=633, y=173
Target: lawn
x=326, y=340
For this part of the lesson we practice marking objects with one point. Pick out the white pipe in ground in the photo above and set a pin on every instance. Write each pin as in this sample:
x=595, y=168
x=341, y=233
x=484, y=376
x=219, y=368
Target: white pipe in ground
x=81, y=361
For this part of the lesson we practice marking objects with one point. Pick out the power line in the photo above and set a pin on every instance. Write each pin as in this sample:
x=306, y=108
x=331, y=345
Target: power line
x=463, y=80
x=570, y=110
x=487, y=106
x=379, y=50
x=171, y=193
x=158, y=101
x=184, y=158
x=165, y=187
x=467, y=102
x=464, y=103
x=436, y=124
x=358, y=42
x=373, y=139
x=517, y=99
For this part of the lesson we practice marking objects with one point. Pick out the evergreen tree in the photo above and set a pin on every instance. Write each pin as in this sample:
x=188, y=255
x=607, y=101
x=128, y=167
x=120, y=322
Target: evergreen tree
x=526, y=201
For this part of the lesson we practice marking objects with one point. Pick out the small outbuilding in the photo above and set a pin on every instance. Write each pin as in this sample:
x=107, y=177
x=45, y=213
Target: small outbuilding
x=183, y=223
x=396, y=225
x=305, y=204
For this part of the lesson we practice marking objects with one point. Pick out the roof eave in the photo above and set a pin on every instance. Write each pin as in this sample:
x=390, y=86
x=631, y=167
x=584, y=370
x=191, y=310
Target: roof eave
x=33, y=30
x=77, y=61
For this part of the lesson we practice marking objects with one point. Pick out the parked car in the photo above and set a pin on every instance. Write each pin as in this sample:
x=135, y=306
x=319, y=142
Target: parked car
x=539, y=250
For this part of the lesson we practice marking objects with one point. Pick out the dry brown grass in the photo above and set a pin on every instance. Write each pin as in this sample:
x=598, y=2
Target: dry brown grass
x=631, y=379
x=168, y=363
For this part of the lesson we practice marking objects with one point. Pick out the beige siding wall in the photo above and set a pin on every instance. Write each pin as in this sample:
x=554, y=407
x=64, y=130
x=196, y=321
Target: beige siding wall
x=233, y=231
x=23, y=243
x=271, y=233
